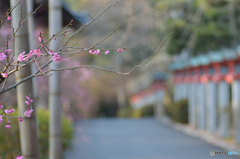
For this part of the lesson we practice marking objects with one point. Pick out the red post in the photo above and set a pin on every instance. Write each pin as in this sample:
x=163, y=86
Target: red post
x=188, y=77
x=196, y=77
x=217, y=76
x=231, y=76
x=205, y=77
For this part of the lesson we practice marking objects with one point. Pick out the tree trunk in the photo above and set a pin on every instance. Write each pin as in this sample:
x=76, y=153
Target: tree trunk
x=28, y=128
x=55, y=126
x=232, y=21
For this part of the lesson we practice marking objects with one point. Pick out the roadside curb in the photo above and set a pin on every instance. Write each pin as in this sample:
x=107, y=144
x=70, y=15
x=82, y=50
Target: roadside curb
x=201, y=134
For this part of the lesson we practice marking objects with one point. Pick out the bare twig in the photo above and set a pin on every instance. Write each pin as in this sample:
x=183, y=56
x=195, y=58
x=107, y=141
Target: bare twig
x=26, y=78
x=113, y=71
x=8, y=12
x=84, y=26
x=105, y=37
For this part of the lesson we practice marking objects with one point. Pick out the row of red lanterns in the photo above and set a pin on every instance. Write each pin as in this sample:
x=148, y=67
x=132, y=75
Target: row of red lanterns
x=155, y=87
x=229, y=78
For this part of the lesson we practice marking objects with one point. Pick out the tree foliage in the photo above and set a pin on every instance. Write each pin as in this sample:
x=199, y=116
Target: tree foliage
x=200, y=25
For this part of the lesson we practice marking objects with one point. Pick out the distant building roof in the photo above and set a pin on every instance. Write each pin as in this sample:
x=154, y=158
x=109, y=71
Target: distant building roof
x=211, y=57
x=79, y=18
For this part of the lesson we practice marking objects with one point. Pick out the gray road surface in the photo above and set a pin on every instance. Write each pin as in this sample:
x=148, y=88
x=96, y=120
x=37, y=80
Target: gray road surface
x=136, y=139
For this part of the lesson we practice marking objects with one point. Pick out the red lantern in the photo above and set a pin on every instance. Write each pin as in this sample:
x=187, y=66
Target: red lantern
x=196, y=78
x=204, y=78
x=217, y=77
x=188, y=79
x=230, y=77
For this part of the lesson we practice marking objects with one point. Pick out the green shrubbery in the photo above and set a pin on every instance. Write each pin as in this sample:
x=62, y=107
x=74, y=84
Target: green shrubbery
x=178, y=111
x=10, y=140
x=125, y=113
x=146, y=111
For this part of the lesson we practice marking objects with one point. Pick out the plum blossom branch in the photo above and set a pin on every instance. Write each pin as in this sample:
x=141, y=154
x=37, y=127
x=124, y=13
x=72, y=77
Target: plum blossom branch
x=5, y=113
x=19, y=66
x=85, y=49
x=26, y=78
x=37, y=73
x=56, y=54
x=113, y=71
x=20, y=21
x=8, y=13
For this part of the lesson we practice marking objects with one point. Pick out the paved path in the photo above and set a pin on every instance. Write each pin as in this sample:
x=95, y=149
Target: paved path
x=136, y=139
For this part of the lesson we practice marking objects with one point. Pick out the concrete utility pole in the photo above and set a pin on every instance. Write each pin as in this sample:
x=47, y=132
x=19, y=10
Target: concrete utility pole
x=200, y=92
x=32, y=46
x=192, y=104
x=224, y=100
x=28, y=127
x=236, y=108
x=211, y=104
x=55, y=124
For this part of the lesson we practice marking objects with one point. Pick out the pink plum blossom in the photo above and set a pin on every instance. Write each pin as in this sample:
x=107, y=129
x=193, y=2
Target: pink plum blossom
x=37, y=52
x=9, y=111
x=5, y=75
x=21, y=56
x=19, y=157
x=20, y=119
x=26, y=58
x=7, y=126
x=1, y=119
x=91, y=51
x=57, y=57
x=8, y=50
x=28, y=98
x=1, y=106
x=40, y=38
x=28, y=113
x=30, y=54
x=106, y=52
x=8, y=17
x=119, y=50
x=27, y=102
x=51, y=52
x=96, y=52
x=3, y=56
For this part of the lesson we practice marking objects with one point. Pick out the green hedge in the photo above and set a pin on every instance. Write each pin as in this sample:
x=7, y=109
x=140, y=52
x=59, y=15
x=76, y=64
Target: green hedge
x=146, y=111
x=10, y=141
x=178, y=111
x=125, y=113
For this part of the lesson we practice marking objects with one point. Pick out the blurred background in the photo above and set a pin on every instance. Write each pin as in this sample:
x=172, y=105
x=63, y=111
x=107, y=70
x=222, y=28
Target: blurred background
x=102, y=93
x=198, y=27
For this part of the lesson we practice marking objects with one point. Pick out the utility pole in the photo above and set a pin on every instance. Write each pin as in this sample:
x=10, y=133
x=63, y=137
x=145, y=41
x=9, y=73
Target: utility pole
x=28, y=127
x=55, y=125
